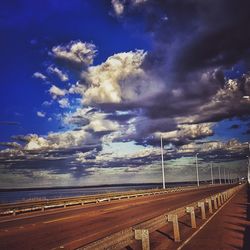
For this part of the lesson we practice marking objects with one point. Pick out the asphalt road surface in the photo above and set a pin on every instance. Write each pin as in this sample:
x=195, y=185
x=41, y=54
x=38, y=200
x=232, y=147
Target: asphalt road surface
x=73, y=227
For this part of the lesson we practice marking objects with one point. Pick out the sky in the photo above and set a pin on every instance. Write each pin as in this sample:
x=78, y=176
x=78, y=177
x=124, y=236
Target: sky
x=88, y=88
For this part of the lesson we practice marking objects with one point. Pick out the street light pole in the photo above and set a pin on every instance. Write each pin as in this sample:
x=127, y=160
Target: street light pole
x=248, y=170
x=248, y=166
x=219, y=175
x=197, y=170
x=225, y=181
x=212, y=178
x=162, y=166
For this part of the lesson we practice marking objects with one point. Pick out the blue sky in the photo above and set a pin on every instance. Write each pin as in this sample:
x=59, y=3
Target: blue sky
x=88, y=88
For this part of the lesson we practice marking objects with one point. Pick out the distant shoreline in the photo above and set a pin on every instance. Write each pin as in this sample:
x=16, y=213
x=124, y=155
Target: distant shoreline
x=94, y=186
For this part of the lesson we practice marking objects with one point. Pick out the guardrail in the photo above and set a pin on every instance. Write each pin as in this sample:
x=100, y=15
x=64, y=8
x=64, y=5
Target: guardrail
x=42, y=205
x=142, y=231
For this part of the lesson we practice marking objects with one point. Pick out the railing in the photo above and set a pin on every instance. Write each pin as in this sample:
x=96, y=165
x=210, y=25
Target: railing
x=142, y=231
x=42, y=205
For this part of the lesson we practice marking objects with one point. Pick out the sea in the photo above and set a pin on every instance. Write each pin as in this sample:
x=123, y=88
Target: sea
x=15, y=195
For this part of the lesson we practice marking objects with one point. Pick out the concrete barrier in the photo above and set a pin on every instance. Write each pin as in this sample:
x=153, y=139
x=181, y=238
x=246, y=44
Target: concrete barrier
x=29, y=206
x=209, y=201
x=191, y=211
x=174, y=219
x=218, y=198
x=214, y=199
x=143, y=235
x=201, y=205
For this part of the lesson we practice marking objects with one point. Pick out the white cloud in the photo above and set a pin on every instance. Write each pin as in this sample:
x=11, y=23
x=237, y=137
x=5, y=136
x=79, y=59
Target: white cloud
x=119, y=79
x=193, y=131
x=41, y=114
x=209, y=146
x=47, y=103
x=98, y=123
x=62, y=76
x=77, y=89
x=118, y=7
x=39, y=75
x=36, y=142
x=14, y=145
x=95, y=121
x=64, y=103
x=77, y=52
x=68, y=139
x=56, y=92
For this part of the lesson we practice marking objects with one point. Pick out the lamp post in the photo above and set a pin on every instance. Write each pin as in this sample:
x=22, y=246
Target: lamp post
x=225, y=181
x=197, y=170
x=248, y=166
x=248, y=170
x=219, y=175
x=212, y=178
x=162, y=166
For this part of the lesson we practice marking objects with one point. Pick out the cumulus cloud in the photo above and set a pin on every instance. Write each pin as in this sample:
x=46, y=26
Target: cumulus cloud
x=178, y=89
x=63, y=140
x=64, y=103
x=118, y=7
x=11, y=145
x=107, y=158
x=76, y=53
x=62, y=76
x=185, y=133
x=36, y=142
x=40, y=114
x=127, y=81
x=228, y=102
x=47, y=103
x=119, y=79
x=191, y=67
x=91, y=120
x=216, y=150
x=39, y=75
x=57, y=92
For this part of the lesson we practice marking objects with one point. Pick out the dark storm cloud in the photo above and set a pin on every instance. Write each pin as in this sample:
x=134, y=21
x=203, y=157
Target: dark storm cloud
x=206, y=33
x=78, y=120
x=121, y=118
x=194, y=42
x=59, y=161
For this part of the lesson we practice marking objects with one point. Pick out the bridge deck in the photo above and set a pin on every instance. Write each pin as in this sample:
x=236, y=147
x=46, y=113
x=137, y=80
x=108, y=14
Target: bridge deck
x=72, y=227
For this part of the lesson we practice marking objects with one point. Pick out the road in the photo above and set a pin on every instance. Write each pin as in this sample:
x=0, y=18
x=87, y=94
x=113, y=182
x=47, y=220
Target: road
x=73, y=227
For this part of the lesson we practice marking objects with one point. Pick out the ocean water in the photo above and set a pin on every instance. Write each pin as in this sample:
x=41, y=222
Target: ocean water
x=42, y=194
